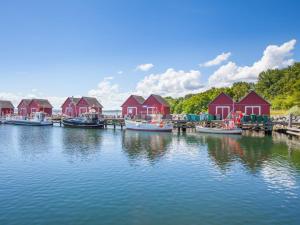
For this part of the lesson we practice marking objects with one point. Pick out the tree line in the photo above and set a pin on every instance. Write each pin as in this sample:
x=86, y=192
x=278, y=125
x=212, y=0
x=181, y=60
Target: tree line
x=281, y=87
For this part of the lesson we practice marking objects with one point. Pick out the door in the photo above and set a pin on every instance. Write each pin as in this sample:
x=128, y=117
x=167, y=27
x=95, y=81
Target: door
x=151, y=110
x=223, y=111
x=131, y=111
x=82, y=110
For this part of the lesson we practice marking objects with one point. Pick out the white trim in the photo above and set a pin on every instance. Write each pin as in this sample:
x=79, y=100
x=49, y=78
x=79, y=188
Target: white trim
x=222, y=107
x=252, y=107
x=151, y=108
x=80, y=110
x=132, y=108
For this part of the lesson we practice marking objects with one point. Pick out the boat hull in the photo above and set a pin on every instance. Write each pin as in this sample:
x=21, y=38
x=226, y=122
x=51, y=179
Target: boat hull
x=28, y=123
x=75, y=124
x=139, y=126
x=218, y=130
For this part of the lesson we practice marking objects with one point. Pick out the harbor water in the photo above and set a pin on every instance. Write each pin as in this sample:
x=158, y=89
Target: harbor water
x=54, y=175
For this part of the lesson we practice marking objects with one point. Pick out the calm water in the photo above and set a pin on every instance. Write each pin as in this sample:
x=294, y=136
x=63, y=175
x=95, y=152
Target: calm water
x=71, y=176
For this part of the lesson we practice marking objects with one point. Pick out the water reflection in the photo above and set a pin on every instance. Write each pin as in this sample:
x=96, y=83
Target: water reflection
x=32, y=141
x=81, y=143
x=151, y=146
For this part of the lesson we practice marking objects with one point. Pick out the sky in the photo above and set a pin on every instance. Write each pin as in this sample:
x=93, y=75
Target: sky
x=112, y=49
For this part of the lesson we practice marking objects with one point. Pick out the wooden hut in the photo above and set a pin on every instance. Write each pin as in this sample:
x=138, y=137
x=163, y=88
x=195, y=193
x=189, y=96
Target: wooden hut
x=40, y=105
x=155, y=104
x=88, y=104
x=23, y=107
x=6, y=108
x=68, y=108
x=222, y=105
x=28, y=106
x=133, y=105
x=253, y=103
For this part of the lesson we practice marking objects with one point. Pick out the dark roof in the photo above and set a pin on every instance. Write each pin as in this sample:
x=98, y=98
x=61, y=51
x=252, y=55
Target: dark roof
x=75, y=100
x=27, y=101
x=256, y=94
x=160, y=99
x=140, y=99
x=44, y=103
x=6, y=104
x=222, y=93
x=92, y=102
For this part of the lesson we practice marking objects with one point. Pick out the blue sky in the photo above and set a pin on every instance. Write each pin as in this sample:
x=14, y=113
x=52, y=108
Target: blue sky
x=62, y=48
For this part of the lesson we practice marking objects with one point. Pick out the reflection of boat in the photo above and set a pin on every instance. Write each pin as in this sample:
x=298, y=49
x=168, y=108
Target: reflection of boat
x=39, y=119
x=87, y=120
x=218, y=130
x=148, y=125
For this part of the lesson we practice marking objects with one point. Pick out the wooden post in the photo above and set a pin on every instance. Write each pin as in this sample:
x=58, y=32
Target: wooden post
x=290, y=124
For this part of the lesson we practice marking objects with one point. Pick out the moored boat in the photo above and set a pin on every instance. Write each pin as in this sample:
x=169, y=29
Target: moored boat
x=156, y=123
x=39, y=119
x=218, y=130
x=87, y=120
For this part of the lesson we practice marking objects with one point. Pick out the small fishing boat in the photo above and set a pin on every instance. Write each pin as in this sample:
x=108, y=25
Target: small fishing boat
x=39, y=119
x=86, y=120
x=218, y=130
x=144, y=125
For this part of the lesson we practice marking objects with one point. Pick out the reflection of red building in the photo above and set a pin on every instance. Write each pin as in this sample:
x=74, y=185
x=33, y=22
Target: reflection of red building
x=252, y=103
x=137, y=105
x=6, y=108
x=28, y=106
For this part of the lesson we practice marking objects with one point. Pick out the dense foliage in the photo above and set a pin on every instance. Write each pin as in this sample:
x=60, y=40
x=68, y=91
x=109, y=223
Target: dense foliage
x=280, y=87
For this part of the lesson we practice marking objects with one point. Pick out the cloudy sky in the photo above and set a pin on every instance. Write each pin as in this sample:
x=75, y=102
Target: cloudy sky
x=111, y=49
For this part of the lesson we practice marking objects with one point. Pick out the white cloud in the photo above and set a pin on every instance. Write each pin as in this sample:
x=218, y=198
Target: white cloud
x=170, y=83
x=120, y=72
x=218, y=60
x=109, y=94
x=274, y=57
x=145, y=67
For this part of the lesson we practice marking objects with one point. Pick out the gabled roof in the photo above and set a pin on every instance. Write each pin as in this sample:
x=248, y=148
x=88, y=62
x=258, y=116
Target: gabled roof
x=6, y=104
x=138, y=98
x=253, y=92
x=222, y=93
x=74, y=100
x=92, y=102
x=26, y=101
x=160, y=99
x=44, y=103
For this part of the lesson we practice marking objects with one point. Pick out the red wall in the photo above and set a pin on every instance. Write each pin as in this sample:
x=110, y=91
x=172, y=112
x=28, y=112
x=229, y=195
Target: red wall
x=131, y=102
x=66, y=106
x=35, y=105
x=83, y=104
x=252, y=99
x=160, y=108
x=6, y=111
x=26, y=111
x=221, y=100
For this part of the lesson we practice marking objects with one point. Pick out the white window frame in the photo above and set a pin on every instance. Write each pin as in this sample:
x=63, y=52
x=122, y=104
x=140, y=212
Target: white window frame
x=132, y=108
x=152, y=110
x=252, y=107
x=222, y=107
x=23, y=110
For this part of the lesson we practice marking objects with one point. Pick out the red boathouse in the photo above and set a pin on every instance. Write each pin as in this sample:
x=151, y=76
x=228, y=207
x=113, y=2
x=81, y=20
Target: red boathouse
x=88, y=104
x=133, y=105
x=222, y=105
x=69, y=107
x=155, y=104
x=253, y=103
x=28, y=106
x=6, y=108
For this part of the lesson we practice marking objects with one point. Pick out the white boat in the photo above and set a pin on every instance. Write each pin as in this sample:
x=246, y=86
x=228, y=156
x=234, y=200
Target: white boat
x=162, y=126
x=39, y=119
x=218, y=130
